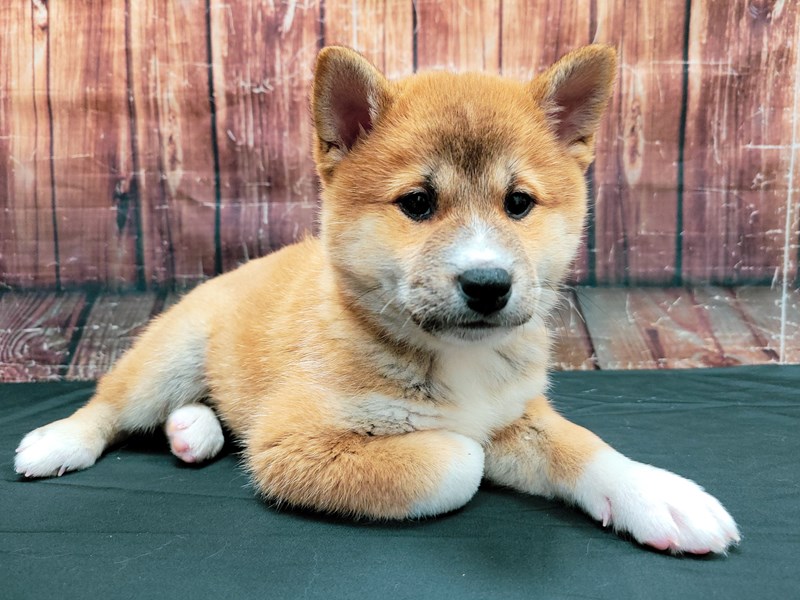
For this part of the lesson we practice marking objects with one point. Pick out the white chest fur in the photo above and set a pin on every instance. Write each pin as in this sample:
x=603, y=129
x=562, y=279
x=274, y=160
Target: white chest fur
x=478, y=391
x=483, y=391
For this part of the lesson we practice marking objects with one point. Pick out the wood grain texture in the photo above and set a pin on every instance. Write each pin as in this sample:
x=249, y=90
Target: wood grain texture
x=636, y=171
x=571, y=345
x=536, y=34
x=663, y=328
x=617, y=340
x=96, y=215
x=262, y=61
x=791, y=266
x=764, y=308
x=167, y=54
x=27, y=240
x=458, y=35
x=382, y=31
x=565, y=25
x=35, y=334
x=110, y=329
x=743, y=64
x=740, y=341
x=120, y=90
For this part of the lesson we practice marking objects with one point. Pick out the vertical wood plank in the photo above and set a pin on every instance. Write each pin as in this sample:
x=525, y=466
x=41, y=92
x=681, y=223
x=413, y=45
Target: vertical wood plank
x=27, y=243
x=112, y=326
x=791, y=268
x=565, y=25
x=457, y=35
x=742, y=69
x=262, y=60
x=169, y=86
x=636, y=171
x=96, y=211
x=382, y=31
x=36, y=330
x=536, y=34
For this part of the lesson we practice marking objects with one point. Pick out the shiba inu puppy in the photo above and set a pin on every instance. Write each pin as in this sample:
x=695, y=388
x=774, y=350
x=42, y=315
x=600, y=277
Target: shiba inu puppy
x=383, y=369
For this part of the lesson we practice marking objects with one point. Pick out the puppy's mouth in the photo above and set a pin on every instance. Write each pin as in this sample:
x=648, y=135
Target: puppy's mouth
x=473, y=327
x=478, y=325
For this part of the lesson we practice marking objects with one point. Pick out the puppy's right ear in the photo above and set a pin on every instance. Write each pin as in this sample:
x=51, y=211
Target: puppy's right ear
x=348, y=98
x=574, y=93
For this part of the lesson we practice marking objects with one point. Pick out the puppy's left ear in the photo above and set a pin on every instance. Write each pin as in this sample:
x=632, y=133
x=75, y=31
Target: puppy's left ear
x=348, y=98
x=574, y=92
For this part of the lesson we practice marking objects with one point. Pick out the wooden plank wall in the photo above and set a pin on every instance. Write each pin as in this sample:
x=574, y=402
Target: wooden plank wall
x=153, y=144
x=740, y=132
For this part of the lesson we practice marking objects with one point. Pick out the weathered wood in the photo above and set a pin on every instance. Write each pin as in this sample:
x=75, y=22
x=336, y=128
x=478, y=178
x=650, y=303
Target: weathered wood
x=742, y=79
x=618, y=341
x=775, y=318
x=27, y=241
x=565, y=25
x=572, y=348
x=35, y=334
x=636, y=171
x=651, y=327
x=457, y=35
x=96, y=210
x=168, y=58
x=738, y=339
x=790, y=270
x=147, y=107
x=263, y=56
x=628, y=329
x=677, y=329
x=536, y=34
x=382, y=31
x=110, y=329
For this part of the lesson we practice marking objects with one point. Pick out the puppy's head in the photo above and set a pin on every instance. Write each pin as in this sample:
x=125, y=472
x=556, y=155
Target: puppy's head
x=454, y=204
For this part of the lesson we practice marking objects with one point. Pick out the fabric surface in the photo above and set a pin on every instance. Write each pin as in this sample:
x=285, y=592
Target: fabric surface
x=141, y=525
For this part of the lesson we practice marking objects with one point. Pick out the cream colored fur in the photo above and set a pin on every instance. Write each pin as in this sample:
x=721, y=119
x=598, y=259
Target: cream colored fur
x=352, y=368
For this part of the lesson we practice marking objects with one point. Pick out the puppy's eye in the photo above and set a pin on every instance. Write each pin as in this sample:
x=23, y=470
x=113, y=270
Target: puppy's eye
x=417, y=206
x=518, y=204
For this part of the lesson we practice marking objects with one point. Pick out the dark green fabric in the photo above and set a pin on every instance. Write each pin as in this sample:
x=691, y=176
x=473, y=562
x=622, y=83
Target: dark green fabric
x=141, y=525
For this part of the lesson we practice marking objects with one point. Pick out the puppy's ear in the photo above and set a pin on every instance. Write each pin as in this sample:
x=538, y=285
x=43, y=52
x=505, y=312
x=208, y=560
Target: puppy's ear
x=574, y=92
x=348, y=98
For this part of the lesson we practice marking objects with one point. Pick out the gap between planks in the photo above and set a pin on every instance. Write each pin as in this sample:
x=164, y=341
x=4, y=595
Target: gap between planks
x=75, y=336
x=656, y=328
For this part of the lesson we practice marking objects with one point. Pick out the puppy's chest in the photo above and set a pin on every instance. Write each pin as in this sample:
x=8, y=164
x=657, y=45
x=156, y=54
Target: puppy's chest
x=472, y=392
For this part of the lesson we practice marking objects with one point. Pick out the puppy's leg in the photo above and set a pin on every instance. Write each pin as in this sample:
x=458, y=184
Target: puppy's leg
x=409, y=475
x=162, y=372
x=543, y=453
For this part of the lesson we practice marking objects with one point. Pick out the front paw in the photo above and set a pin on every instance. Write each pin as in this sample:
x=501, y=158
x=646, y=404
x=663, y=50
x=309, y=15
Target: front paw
x=658, y=508
x=65, y=445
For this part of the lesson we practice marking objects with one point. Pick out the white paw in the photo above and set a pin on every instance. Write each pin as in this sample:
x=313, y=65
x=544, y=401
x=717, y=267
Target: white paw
x=659, y=508
x=460, y=482
x=61, y=446
x=194, y=433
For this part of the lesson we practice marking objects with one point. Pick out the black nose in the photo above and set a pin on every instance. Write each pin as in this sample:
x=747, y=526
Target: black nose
x=486, y=290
